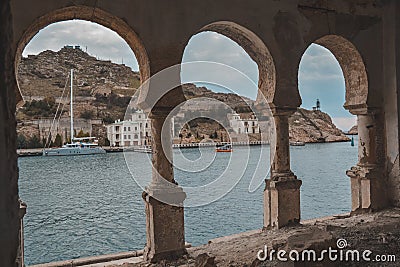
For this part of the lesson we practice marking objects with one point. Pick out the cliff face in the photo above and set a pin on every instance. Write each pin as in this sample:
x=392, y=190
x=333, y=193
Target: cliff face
x=354, y=130
x=314, y=126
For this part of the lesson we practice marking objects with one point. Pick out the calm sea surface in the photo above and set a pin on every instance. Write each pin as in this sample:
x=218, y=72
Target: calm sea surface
x=91, y=205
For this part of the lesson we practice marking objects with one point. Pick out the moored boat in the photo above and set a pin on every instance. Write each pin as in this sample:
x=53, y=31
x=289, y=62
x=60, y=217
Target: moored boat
x=297, y=143
x=143, y=149
x=224, y=148
x=78, y=146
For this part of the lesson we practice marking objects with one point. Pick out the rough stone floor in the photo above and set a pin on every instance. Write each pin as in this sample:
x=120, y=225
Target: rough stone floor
x=378, y=232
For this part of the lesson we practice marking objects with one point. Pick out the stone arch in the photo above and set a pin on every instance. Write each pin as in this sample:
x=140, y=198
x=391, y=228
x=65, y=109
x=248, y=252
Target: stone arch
x=353, y=68
x=89, y=14
x=255, y=48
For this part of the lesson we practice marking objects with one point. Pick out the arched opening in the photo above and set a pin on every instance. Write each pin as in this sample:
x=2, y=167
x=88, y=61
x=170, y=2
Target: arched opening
x=75, y=204
x=255, y=49
x=332, y=78
x=231, y=72
x=89, y=14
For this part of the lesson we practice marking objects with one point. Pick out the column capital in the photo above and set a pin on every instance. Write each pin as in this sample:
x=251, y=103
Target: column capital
x=363, y=110
x=365, y=171
x=165, y=192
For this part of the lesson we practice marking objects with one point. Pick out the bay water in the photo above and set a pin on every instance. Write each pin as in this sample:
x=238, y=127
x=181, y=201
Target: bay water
x=92, y=205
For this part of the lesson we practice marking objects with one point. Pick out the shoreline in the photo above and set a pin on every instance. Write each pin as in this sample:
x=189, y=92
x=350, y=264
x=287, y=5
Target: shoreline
x=35, y=152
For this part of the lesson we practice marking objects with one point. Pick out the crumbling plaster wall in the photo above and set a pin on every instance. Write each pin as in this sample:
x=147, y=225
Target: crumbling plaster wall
x=9, y=205
x=285, y=27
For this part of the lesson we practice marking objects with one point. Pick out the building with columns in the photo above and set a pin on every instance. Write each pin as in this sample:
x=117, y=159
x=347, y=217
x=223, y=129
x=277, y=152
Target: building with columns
x=363, y=35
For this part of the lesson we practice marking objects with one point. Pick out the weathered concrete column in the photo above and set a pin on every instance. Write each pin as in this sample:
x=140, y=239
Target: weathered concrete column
x=9, y=205
x=368, y=180
x=163, y=198
x=282, y=190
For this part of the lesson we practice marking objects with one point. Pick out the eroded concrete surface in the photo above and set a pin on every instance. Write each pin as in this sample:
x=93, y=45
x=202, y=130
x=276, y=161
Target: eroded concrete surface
x=378, y=232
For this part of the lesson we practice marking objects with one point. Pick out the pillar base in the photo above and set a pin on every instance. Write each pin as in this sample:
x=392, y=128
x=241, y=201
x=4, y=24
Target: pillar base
x=164, y=224
x=368, y=192
x=282, y=201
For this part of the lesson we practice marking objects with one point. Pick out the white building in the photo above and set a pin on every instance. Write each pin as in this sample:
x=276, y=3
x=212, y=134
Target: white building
x=133, y=132
x=243, y=125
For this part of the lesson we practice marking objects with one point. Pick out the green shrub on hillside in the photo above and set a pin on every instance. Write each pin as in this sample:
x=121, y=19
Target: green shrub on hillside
x=40, y=108
x=87, y=114
x=113, y=100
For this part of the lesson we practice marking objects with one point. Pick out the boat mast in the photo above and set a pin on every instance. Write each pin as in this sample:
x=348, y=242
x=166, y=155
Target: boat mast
x=72, y=110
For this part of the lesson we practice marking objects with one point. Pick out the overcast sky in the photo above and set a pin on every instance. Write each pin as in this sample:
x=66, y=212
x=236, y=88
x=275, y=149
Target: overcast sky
x=320, y=75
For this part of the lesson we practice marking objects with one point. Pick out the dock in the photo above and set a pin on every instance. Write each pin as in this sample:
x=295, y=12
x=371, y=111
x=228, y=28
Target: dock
x=29, y=152
x=38, y=151
x=217, y=144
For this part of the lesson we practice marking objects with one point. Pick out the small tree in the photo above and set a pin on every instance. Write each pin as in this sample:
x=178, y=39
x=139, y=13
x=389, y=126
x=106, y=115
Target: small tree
x=107, y=142
x=34, y=142
x=21, y=141
x=108, y=119
x=58, y=141
x=82, y=134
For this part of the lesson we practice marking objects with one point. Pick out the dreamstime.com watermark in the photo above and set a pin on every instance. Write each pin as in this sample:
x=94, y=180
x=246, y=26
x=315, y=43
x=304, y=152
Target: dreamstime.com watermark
x=340, y=253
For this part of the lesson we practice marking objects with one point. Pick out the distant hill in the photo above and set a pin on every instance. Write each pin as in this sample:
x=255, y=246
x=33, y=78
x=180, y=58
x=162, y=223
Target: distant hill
x=240, y=104
x=103, y=89
x=46, y=74
x=312, y=126
x=354, y=130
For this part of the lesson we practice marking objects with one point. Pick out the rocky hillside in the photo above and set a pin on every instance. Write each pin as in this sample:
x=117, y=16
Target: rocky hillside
x=240, y=104
x=354, y=130
x=314, y=126
x=45, y=75
x=103, y=90
x=304, y=125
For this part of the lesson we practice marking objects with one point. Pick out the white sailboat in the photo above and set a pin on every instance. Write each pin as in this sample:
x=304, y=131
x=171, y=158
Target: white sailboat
x=78, y=146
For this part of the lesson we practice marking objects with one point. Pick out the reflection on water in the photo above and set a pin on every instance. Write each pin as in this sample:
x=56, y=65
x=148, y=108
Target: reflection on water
x=91, y=205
